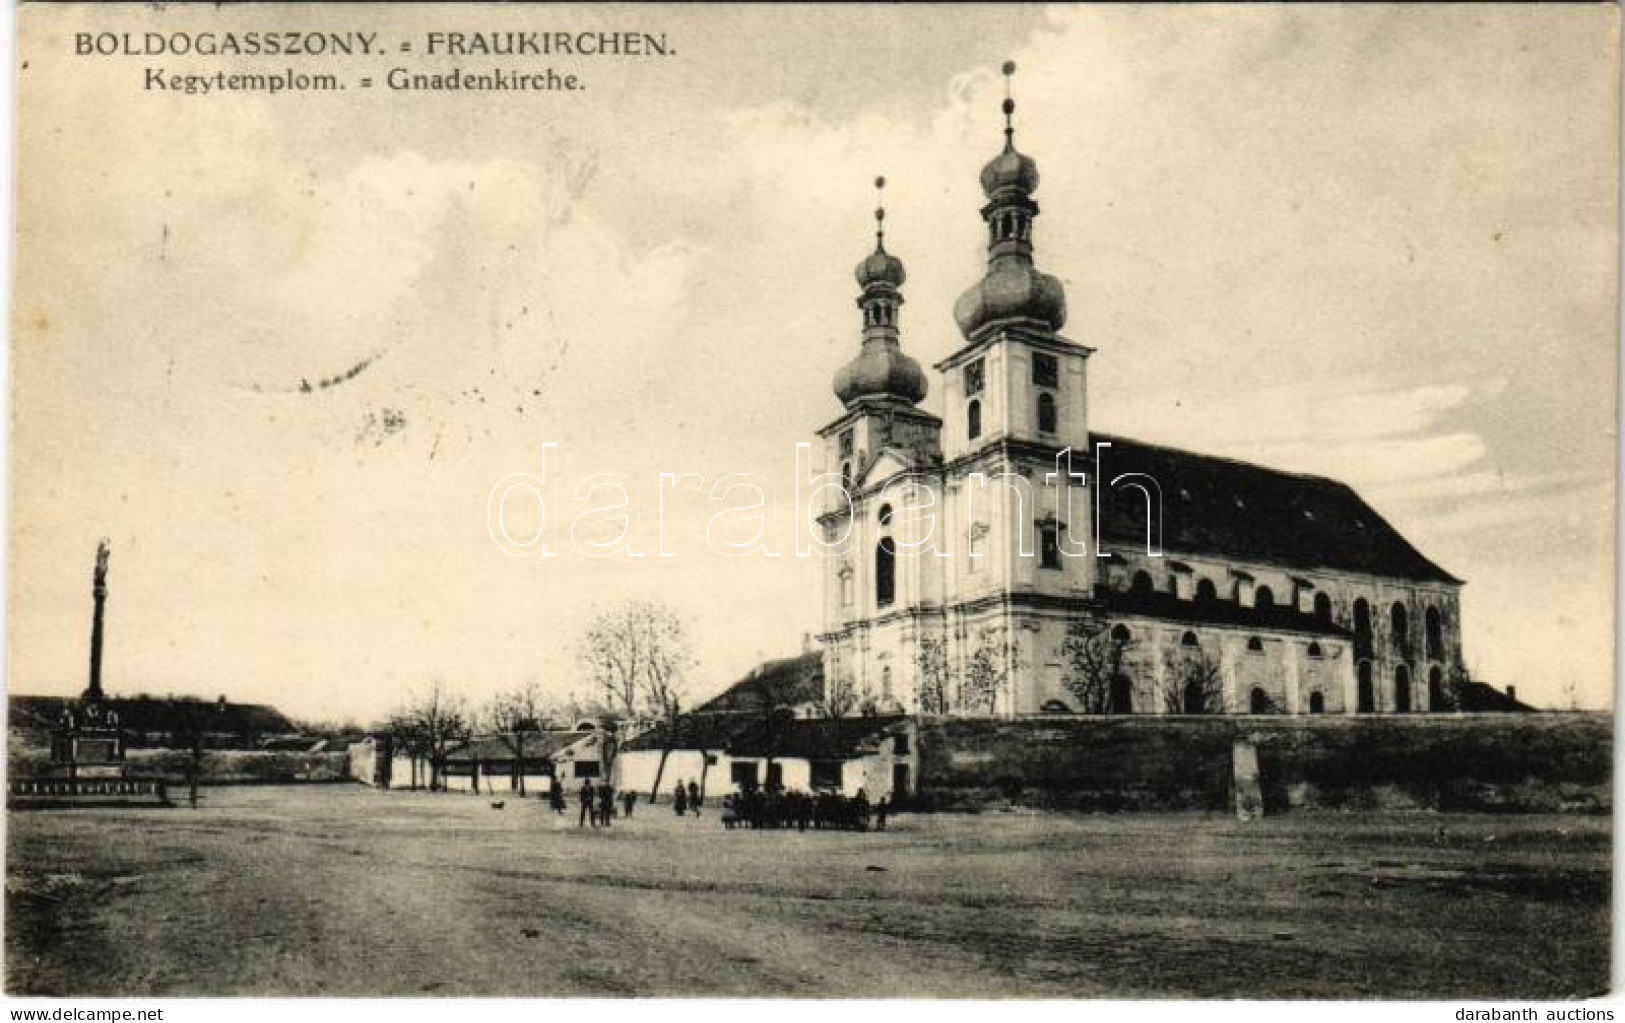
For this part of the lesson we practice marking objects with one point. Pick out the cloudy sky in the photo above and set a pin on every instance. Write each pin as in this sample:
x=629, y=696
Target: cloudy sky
x=1372, y=243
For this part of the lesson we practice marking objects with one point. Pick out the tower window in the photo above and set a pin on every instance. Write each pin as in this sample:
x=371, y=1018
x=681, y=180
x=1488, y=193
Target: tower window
x=846, y=474
x=1315, y=651
x=973, y=419
x=885, y=682
x=885, y=515
x=1263, y=598
x=975, y=377
x=1255, y=645
x=1189, y=639
x=846, y=443
x=1046, y=371
x=1046, y=412
x=1049, y=545
x=1205, y=590
x=885, y=572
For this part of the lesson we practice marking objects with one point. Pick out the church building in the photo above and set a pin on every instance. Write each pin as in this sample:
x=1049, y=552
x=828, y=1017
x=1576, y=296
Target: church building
x=976, y=574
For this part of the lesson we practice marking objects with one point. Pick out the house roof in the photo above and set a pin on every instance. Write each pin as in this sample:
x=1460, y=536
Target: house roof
x=157, y=714
x=755, y=735
x=1242, y=512
x=537, y=746
x=787, y=682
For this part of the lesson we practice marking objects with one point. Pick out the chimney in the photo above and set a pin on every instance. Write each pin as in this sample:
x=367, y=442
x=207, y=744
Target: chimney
x=806, y=642
x=1512, y=692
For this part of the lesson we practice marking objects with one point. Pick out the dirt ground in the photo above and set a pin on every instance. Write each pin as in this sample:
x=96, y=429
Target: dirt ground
x=339, y=890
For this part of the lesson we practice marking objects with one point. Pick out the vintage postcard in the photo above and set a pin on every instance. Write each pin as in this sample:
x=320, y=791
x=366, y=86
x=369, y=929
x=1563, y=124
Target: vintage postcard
x=874, y=501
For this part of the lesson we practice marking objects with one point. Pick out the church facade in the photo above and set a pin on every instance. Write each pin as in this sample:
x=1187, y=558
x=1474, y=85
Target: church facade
x=1004, y=559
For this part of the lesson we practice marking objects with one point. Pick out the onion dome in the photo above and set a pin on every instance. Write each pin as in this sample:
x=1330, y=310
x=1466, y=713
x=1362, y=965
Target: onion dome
x=1012, y=290
x=880, y=369
x=880, y=373
x=1010, y=169
x=880, y=267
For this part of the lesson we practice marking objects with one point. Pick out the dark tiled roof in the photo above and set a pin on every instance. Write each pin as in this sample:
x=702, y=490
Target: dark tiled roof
x=157, y=714
x=753, y=735
x=1237, y=511
x=1482, y=698
x=538, y=746
x=815, y=739
x=787, y=682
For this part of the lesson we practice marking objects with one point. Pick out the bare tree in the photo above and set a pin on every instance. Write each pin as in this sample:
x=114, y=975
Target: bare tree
x=839, y=697
x=668, y=661
x=190, y=722
x=512, y=716
x=438, y=720
x=988, y=669
x=1095, y=655
x=1195, y=682
x=613, y=650
x=931, y=661
x=639, y=659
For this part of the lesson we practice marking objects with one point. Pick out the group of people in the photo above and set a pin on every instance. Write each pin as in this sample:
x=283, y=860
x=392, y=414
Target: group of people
x=686, y=799
x=751, y=808
x=754, y=808
x=597, y=802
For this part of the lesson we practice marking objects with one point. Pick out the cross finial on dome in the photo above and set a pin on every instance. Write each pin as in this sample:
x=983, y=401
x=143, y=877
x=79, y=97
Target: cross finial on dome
x=880, y=213
x=1009, y=70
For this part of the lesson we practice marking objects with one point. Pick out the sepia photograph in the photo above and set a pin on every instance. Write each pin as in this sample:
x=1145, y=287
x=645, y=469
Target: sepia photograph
x=812, y=501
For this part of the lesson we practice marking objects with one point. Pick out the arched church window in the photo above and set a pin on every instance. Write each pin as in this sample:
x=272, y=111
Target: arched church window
x=973, y=419
x=846, y=474
x=1046, y=412
x=1142, y=583
x=1258, y=701
x=885, y=515
x=1362, y=627
x=1121, y=635
x=1402, y=689
x=1315, y=651
x=1323, y=607
x=1435, y=633
x=1189, y=639
x=1367, y=695
x=1436, y=700
x=1263, y=598
x=1317, y=702
x=1255, y=645
x=1400, y=620
x=885, y=572
x=1205, y=590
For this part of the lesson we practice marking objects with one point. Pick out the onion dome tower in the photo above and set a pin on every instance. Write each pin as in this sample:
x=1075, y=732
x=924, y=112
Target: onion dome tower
x=880, y=370
x=1013, y=291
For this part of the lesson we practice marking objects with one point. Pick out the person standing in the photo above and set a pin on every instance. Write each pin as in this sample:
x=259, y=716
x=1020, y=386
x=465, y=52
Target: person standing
x=628, y=800
x=679, y=800
x=585, y=795
x=555, y=796
x=694, y=798
x=606, y=801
